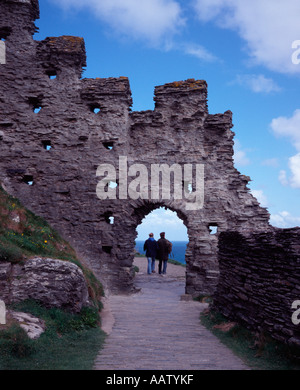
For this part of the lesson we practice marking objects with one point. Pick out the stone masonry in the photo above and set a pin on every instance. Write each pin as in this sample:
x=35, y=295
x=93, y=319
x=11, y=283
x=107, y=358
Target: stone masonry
x=56, y=128
x=259, y=281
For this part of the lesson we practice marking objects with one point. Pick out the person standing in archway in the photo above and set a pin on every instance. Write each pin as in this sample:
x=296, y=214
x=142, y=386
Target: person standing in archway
x=164, y=249
x=151, y=247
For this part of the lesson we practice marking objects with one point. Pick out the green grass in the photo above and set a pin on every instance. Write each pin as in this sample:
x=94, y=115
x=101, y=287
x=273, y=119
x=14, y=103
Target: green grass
x=23, y=234
x=258, y=351
x=70, y=342
x=175, y=262
x=171, y=261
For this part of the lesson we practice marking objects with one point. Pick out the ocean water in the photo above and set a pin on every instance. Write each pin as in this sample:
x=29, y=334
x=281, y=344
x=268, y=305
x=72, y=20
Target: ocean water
x=178, y=250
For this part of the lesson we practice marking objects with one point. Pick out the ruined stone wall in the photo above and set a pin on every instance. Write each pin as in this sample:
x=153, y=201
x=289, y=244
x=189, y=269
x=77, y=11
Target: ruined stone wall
x=259, y=281
x=49, y=159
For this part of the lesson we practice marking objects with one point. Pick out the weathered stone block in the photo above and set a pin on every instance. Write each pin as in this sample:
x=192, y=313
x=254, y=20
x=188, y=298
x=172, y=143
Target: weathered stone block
x=54, y=283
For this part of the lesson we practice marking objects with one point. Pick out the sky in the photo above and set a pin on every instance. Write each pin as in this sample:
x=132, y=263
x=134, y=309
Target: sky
x=247, y=51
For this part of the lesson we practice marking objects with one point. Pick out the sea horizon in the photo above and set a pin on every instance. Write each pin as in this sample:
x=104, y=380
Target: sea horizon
x=178, y=249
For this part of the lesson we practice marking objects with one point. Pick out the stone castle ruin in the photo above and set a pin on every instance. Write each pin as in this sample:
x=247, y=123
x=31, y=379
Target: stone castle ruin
x=73, y=152
x=56, y=128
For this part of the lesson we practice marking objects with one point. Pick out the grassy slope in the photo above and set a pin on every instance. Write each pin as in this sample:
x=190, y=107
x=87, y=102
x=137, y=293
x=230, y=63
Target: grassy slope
x=71, y=341
x=23, y=234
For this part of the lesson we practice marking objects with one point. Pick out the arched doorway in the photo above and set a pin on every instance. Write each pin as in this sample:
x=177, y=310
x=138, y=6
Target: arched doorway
x=200, y=257
x=201, y=251
x=164, y=220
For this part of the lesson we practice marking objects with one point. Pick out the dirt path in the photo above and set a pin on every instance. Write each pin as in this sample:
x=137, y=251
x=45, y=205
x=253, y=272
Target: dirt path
x=156, y=330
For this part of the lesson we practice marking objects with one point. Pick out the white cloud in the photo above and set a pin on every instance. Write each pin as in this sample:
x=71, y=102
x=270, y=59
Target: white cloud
x=161, y=220
x=284, y=220
x=294, y=179
x=261, y=197
x=294, y=164
x=153, y=21
x=257, y=83
x=288, y=127
x=282, y=177
x=199, y=52
x=240, y=157
x=269, y=27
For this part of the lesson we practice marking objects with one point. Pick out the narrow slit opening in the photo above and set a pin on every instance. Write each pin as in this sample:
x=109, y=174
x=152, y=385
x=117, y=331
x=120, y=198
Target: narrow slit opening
x=109, y=145
x=213, y=229
x=47, y=145
x=107, y=249
x=28, y=179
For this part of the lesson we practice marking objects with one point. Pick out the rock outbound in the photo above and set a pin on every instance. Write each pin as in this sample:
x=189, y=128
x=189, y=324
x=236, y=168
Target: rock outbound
x=52, y=282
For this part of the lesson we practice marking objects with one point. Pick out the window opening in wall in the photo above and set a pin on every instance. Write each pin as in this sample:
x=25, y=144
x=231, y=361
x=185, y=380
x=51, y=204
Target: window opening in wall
x=109, y=218
x=36, y=110
x=51, y=74
x=47, y=145
x=28, y=179
x=35, y=102
x=108, y=145
x=213, y=229
x=168, y=221
x=187, y=186
x=107, y=249
x=95, y=108
x=113, y=184
x=4, y=34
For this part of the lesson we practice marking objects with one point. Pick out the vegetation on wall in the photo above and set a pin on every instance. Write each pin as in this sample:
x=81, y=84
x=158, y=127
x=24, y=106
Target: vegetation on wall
x=71, y=341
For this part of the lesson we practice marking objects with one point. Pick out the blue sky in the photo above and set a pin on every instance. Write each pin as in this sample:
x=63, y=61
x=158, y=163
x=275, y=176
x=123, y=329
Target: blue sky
x=242, y=48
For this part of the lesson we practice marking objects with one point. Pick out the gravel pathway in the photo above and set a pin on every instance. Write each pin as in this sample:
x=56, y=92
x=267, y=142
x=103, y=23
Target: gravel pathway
x=158, y=329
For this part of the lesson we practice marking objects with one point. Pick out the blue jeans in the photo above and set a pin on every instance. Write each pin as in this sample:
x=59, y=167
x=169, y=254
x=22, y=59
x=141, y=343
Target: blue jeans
x=151, y=264
x=163, y=265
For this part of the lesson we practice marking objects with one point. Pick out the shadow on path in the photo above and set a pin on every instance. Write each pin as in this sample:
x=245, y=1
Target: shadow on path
x=155, y=330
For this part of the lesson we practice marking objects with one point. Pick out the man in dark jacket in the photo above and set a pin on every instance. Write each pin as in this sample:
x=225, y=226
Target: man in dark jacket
x=150, y=246
x=164, y=249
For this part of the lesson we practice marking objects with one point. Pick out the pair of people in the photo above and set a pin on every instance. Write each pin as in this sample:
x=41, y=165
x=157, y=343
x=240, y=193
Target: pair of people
x=157, y=250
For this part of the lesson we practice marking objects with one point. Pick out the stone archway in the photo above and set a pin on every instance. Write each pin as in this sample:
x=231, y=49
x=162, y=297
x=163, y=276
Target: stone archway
x=201, y=252
x=59, y=182
x=166, y=220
